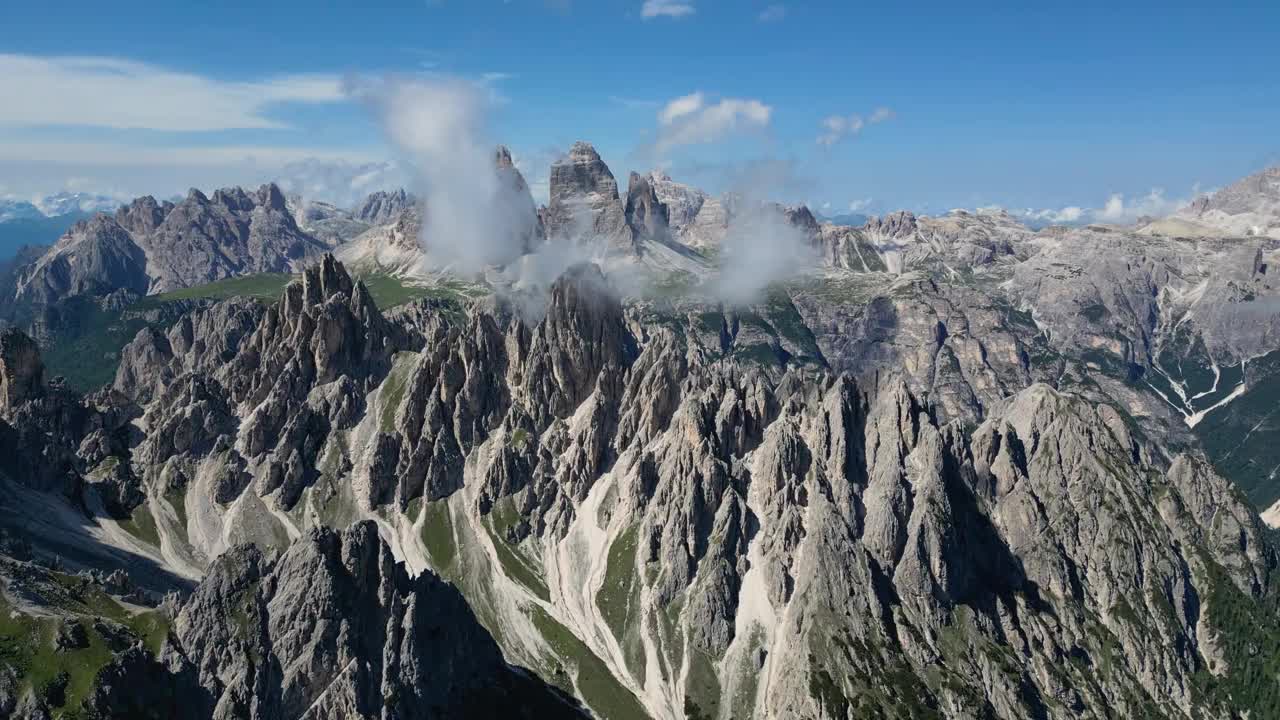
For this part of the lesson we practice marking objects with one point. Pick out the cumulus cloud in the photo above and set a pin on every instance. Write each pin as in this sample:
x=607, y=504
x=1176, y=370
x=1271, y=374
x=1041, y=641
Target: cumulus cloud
x=1118, y=209
x=690, y=120
x=124, y=94
x=666, y=8
x=773, y=13
x=838, y=127
x=681, y=107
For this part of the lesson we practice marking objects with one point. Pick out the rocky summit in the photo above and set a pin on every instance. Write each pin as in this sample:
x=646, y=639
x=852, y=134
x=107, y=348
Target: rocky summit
x=950, y=467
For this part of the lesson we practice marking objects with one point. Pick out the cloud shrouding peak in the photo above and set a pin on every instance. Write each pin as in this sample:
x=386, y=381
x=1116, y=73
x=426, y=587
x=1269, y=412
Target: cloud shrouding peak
x=838, y=127
x=666, y=8
x=690, y=120
x=476, y=216
x=124, y=94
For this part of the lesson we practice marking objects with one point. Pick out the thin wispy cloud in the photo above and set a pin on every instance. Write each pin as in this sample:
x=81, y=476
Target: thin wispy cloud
x=125, y=94
x=340, y=182
x=666, y=8
x=838, y=127
x=94, y=154
x=773, y=13
x=691, y=120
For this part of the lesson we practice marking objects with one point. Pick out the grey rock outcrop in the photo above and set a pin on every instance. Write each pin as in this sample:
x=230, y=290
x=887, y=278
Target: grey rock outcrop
x=334, y=627
x=149, y=247
x=384, y=208
x=646, y=215
x=584, y=204
x=21, y=370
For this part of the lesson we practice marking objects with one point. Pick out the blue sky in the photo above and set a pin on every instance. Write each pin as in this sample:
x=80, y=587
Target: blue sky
x=1043, y=107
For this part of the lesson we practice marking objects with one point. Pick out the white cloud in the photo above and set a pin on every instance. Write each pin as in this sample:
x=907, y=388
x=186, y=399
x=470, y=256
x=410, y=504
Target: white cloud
x=666, y=8
x=124, y=94
x=1115, y=210
x=112, y=154
x=857, y=206
x=879, y=115
x=340, y=182
x=1153, y=204
x=773, y=13
x=681, y=107
x=838, y=127
x=689, y=120
x=475, y=217
x=123, y=169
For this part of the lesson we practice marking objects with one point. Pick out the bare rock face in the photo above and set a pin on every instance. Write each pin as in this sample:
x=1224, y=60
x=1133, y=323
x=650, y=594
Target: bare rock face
x=232, y=233
x=1249, y=207
x=517, y=200
x=801, y=218
x=646, y=214
x=682, y=201
x=21, y=370
x=584, y=204
x=898, y=225
x=149, y=247
x=144, y=215
x=96, y=256
x=334, y=627
x=384, y=208
x=582, y=335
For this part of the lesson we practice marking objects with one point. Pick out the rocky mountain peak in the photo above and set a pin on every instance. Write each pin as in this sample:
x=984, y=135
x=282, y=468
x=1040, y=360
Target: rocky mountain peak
x=502, y=157
x=143, y=215
x=646, y=214
x=898, y=224
x=271, y=196
x=325, y=279
x=801, y=217
x=21, y=369
x=234, y=199
x=583, y=333
x=685, y=215
x=384, y=207
x=582, y=172
x=1256, y=192
x=584, y=203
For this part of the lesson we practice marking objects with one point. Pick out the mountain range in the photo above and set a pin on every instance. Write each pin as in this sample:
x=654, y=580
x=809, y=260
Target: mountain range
x=676, y=456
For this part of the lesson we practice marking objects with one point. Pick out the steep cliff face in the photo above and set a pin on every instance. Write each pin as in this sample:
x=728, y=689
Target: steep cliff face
x=334, y=627
x=584, y=204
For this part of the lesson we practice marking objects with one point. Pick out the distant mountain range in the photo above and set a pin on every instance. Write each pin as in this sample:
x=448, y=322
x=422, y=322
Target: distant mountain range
x=43, y=220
